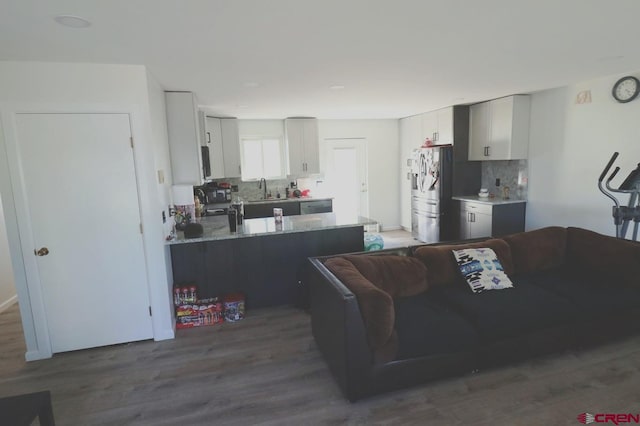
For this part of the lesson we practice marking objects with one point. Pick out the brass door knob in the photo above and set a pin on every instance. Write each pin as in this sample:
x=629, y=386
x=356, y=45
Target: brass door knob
x=41, y=252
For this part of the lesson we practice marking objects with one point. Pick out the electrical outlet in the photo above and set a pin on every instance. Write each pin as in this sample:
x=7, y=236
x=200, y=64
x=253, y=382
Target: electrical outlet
x=497, y=181
x=164, y=217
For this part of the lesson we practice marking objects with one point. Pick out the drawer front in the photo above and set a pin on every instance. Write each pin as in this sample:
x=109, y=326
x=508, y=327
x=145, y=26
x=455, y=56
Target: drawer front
x=476, y=207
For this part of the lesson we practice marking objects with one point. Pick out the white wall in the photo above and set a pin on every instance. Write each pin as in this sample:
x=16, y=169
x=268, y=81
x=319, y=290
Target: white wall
x=569, y=146
x=382, y=138
x=273, y=128
x=7, y=289
x=160, y=141
x=34, y=86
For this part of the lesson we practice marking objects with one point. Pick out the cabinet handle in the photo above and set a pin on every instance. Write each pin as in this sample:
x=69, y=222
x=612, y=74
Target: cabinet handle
x=437, y=136
x=488, y=151
x=208, y=137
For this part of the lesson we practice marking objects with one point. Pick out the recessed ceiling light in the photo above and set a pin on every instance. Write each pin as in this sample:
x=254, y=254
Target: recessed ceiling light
x=336, y=87
x=251, y=84
x=72, y=21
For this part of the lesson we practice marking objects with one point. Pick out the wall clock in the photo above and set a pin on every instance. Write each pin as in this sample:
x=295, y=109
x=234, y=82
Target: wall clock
x=626, y=89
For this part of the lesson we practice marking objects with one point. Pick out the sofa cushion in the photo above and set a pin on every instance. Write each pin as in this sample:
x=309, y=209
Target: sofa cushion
x=481, y=269
x=396, y=275
x=426, y=327
x=441, y=265
x=511, y=312
x=376, y=306
x=589, y=294
x=610, y=260
x=537, y=250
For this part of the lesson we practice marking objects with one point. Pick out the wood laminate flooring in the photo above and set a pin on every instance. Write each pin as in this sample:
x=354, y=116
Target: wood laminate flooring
x=266, y=370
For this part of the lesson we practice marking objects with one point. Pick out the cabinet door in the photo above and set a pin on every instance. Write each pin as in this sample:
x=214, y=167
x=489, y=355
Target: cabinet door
x=295, y=145
x=183, y=129
x=479, y=131
x=231, y=147
x=429, y=126
x=501, y=113
x=311, y=147
x=520, y=127
x=445, y=126
x=463, y=223
x=213, y=139
x=479, y=225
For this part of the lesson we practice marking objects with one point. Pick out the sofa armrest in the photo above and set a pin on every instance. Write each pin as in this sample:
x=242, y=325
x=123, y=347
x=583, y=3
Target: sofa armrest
x=339, y=331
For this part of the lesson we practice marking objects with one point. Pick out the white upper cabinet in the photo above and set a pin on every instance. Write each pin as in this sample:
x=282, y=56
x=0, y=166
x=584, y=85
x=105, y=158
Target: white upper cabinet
x=221, y=136
x=183, y=128
x=213, y=140
x=438, y=126
x=302, y=146
x=231, y=147
x=499, y=129
x=445, y=126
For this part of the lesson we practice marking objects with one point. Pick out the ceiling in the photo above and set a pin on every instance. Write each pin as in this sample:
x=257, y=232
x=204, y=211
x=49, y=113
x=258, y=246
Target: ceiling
x=279, y=58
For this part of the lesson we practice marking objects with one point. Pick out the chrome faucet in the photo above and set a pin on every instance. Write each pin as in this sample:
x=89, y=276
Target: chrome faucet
x=264, y=194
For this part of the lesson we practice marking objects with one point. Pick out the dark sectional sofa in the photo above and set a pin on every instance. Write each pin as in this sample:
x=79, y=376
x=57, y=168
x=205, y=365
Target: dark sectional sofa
x=394, y=318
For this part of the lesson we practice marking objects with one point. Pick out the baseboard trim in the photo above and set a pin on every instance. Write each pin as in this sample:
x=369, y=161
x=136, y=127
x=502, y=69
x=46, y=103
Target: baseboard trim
x=166, y=334
x=8, y=303
x=35, y=356
x=391, y=228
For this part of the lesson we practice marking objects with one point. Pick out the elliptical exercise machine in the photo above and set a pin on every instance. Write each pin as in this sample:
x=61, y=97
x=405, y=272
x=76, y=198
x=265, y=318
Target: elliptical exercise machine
x=623, y=215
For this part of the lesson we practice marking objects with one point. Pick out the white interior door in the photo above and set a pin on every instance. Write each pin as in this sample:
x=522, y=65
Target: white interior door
x=80, y=187
x=346, y=177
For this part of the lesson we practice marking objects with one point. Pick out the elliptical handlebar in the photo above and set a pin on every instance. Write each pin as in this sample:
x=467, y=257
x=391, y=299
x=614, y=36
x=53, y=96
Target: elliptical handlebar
x=609, y=164
x=623, y=215
x=604, y=174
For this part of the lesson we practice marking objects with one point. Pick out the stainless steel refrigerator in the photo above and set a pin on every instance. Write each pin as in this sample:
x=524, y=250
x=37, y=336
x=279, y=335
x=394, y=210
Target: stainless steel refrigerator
x=431, y=191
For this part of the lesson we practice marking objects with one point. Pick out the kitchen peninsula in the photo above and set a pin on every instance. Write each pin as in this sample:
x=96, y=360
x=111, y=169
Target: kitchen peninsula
x=264, y=260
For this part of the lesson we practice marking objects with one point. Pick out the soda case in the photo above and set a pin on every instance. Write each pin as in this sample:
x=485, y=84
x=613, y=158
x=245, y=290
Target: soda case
x=185, y=295
x=206, y=312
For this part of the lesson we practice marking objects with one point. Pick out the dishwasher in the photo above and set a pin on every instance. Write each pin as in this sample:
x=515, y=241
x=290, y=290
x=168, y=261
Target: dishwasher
x=317, y=206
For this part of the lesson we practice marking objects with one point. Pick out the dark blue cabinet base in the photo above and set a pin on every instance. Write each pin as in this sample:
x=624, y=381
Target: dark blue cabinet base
x=268, y=269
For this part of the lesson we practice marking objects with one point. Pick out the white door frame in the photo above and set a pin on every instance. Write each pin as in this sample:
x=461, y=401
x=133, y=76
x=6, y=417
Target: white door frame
x=360, y=144
x=20, y=233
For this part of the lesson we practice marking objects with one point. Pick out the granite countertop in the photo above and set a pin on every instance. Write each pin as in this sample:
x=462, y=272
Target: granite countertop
x=492, y=201
x=217, y=227
x=286, y=200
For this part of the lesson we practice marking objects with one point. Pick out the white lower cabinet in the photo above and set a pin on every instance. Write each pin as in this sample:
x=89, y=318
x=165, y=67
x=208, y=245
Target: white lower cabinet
x=485, y=219
x=475, y=220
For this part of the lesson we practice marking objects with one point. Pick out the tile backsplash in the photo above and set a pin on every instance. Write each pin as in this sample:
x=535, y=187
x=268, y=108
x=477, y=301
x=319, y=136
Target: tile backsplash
x=512, y=173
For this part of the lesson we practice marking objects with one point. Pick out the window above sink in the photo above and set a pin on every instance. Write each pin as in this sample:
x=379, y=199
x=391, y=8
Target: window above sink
x=262, y=157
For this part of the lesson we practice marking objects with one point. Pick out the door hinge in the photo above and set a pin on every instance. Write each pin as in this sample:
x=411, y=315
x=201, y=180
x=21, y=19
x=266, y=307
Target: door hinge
x=141, y=230
x=131, y=141
x=150, y=313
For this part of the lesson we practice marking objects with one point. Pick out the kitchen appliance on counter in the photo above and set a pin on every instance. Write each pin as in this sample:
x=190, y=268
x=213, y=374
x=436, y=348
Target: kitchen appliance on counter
x=431, y=191
x=216, y=197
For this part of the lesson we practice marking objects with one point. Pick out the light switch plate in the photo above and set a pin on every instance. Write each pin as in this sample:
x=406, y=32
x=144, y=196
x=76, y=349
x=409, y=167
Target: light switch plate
x=160, y=176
